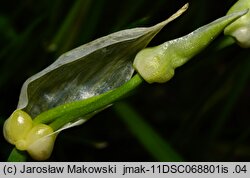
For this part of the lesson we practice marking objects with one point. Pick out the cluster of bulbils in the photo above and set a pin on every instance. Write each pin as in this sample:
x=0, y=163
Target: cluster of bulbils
x=155, y=64
x=37, y=139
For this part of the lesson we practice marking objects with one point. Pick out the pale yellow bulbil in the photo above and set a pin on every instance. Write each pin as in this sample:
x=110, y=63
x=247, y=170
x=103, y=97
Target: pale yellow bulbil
x=38, y=140
x=240, y=29
x=17, y=126
x=158, y=64
x=153, y=66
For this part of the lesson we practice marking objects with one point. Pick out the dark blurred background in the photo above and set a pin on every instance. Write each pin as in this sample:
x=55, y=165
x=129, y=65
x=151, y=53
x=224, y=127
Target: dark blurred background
x=202, y=114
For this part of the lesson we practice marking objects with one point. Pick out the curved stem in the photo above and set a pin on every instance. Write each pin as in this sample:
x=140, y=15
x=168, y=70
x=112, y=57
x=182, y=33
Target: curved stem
x=224, y=42
x=63, y=114
x=17, y=156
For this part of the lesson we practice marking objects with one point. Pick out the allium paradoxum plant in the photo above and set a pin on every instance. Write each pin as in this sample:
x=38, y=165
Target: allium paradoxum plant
x=75, y=87
x=91, y=77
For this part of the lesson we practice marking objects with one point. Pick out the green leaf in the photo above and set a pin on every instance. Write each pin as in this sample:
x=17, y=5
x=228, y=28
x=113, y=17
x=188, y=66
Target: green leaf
x=151, y=140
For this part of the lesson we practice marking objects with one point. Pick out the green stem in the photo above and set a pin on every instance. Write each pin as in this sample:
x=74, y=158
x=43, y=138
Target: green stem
x=17, y=156
x=225, y=42
x=66, y=113
x=63, y=114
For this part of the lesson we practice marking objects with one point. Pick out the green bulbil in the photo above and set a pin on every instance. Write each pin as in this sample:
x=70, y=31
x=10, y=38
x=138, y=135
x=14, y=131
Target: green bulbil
x=240, y=29
x=157, y=64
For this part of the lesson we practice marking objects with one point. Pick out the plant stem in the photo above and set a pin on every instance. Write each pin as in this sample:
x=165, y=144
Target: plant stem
x=17, y=156
x=224, y=42
x=63, y=114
